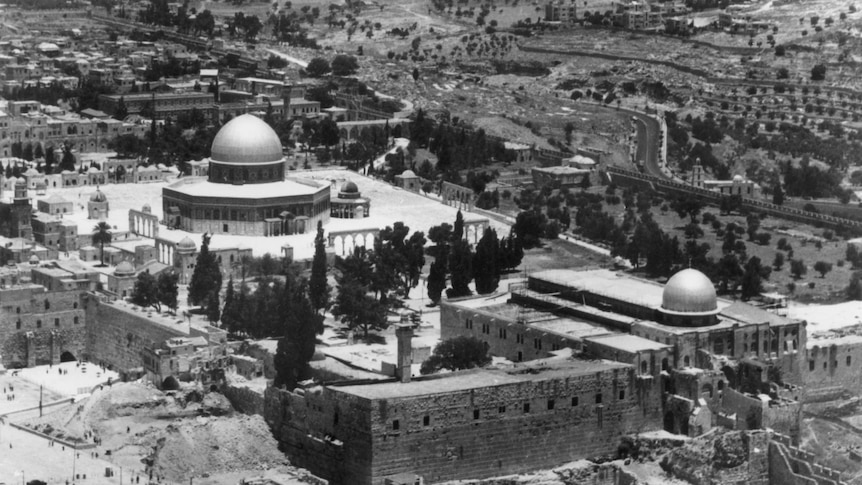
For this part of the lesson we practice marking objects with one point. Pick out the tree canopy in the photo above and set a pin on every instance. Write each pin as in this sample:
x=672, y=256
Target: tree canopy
x=456, y=354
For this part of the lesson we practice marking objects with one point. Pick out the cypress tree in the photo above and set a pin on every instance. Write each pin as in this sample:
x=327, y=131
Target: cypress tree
x=301, y=323
x=318, y=286
x=485, y=263
x=206, y=279
x=436, y=280
x=461, y=266
x=213, y=312
x=228, y=315
x=458, y=229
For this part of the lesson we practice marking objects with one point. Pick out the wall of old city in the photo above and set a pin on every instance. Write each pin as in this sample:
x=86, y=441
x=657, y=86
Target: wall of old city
x=833, y=369
x=37, y=326
x=117, y=335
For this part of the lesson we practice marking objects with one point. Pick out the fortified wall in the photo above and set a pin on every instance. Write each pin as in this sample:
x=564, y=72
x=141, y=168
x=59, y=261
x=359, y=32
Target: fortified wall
x=833, y=367
x=117, y=335
x=471, y=424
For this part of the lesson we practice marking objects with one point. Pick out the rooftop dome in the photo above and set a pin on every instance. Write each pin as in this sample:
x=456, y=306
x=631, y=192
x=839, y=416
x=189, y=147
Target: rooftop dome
x=98, y=196
x=246, y=139
x=738, y=178
x=34, y=259
x=146, y=208
x=408, y=173
x=125, y=268
x=349, y=188
x=186, y=243
x=689, y=291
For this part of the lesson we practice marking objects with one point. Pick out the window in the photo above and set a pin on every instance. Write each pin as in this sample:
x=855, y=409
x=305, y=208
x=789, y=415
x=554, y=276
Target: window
x=38, y=323
x=550, y=404
x=598, y=398
x=56, y=322
x=537, y=343
x=519, y=338
x=622, y=394
x=824, y=365
x=501, y=409
x=18, y=325
x=47, y=305
x=468, y=323
x=810, y=365
x=17, y=309
x=848, y=360
x=526, y=407
x=574, y=401
x=395, y=425
x=224, y=228
x=502, y=333
x=486, y=328
x=426, y=420
x=475, y=414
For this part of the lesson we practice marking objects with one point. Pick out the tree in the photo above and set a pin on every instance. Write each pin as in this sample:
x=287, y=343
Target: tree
x=486, y=263
x=318, y=287
x=358, y=309
x=206, y=278
x=415, y=74
x=38, y=152
x=317, y=67
x=456, y=354
x=778, y=195
x=68, y=160
x=122, y=111
x=27, y=152
x=213, y=311
x=822, y=267
x=752, y=278
x=301, y=324
x=797, y=268
x=167, y=291
x=437, y=279
x=529, y=227
x=101, y=236
x=145, y=292
x=818, y=72
x=231, y=315
x=50, y=160
x=461, y=268
x=344, y=65
x=854, y=289
x=852, y=255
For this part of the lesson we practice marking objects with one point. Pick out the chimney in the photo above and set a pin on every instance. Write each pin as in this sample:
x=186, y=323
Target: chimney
x=404, y=334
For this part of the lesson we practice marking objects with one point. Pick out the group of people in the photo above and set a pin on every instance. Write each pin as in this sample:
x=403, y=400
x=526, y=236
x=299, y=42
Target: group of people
x=10, y=396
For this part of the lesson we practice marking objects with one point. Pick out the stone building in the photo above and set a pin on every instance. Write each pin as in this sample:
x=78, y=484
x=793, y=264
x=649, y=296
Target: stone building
x=246, y=192
x=97, y=206
x=15, y=217
x=350, y=204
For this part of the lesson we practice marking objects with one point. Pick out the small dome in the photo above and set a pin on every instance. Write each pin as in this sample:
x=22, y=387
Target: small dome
x=738, y=178
x=146, y=208
x=98, y=196
x=246, y=139
x=349, y=188
x=408, y=173
x=689, y=291
x=34, y=259
x=125, y=268
x=186, y=243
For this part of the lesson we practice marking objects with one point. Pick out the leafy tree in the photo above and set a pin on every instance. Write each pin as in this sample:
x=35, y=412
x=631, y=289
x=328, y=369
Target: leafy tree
x=301, y=324
x=122, y=111
x=798, y=268
x=511, y=252
x=486, y=263
x=456, y=354
x=357, y=308
x=752, y=278
x=852, y=255
x=213, y=311
x=778, y=195
x=822, y=267
x=854, y=289
x=101, y=236
x=344, y=65
x=529, y=227
x=167, y=289
x=206, y=278
x=317, y=67
x=68, y=160
x=318, y=287
x=145, y=292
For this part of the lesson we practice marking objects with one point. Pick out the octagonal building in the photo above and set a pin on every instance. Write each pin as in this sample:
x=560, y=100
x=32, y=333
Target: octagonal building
x=246, y=192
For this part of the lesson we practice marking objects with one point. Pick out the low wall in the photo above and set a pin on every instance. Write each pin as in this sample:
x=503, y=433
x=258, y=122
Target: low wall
x=244, y=399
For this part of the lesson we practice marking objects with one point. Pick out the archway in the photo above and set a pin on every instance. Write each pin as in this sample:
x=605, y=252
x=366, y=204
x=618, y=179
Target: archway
x=67, y=356
x=706, y=391
x=170, y=384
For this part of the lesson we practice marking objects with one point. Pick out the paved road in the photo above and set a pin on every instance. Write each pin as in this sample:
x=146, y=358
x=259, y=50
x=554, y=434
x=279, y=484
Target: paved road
x=648, y=132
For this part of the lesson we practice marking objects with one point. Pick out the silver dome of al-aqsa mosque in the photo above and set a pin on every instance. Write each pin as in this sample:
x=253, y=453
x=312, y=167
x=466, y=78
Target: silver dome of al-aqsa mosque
x=689, y=299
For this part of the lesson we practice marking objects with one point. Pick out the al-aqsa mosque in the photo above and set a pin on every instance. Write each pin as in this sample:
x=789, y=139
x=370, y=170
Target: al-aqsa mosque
x=246, y=192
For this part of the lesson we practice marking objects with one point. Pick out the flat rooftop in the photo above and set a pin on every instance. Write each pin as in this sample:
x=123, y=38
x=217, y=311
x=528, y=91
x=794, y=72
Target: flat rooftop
x=536, y=371
x=607, y=283
x=627, y=343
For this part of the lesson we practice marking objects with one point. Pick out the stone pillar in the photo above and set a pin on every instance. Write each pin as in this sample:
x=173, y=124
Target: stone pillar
x=56, y=347
x=30, y=348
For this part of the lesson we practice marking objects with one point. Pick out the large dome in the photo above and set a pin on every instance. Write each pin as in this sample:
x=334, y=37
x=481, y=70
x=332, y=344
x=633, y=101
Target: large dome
x=246, y=139
x=689, y=291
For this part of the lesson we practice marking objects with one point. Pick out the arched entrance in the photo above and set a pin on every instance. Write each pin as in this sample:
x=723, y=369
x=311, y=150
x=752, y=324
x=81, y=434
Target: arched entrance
x=67, y=356
x=170, y=384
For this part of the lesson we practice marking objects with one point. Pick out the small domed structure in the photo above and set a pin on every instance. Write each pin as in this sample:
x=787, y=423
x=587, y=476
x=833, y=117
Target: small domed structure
x=186, y=244
x=738, y=178
x=124, y=269
x=349, y=204
x=34, y=259
x=147, y=209
x=349, y=188
x=408, y=173
x=689, y=300
x=98, y=196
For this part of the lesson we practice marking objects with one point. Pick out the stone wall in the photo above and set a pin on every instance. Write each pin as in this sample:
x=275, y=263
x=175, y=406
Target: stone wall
x=833, y=369
x=478, y=432
x=117, y=335
x=38, y=326
x=790, y=465
x=244, y=399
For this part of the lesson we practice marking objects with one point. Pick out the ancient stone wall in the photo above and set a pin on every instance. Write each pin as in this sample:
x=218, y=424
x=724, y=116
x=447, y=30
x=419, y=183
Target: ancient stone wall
x=832, y=369
x=116, y=335
x=38, y=326
x=476, y=433
x=244, y=399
